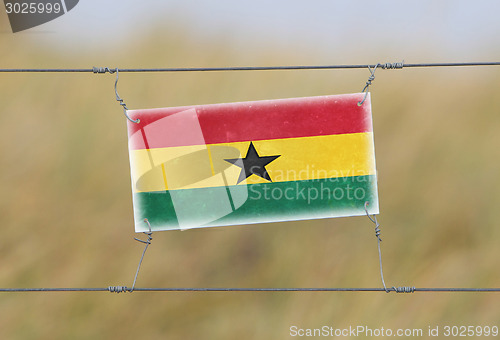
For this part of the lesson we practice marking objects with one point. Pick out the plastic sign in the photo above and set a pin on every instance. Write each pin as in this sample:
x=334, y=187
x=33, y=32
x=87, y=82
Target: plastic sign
x=252, y=162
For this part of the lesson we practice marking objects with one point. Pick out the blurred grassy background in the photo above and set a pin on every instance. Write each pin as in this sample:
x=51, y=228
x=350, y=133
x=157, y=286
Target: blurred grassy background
x=66, y=210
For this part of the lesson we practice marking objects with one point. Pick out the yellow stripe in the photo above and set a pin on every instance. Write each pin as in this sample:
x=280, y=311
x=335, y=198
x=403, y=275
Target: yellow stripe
x=164, y=176
x=211, y=161
x=304, y=158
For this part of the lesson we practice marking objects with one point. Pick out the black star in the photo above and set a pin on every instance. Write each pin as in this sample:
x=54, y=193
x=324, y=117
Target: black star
x=252, y=164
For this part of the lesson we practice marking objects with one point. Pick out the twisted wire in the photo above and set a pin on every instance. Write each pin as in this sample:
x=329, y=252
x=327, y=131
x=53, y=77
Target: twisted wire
x=404, y=289
x=368, y=83
x=147, y=242
x=104, y=70
x=377, y=234
x=120, y=289
x=117, y=289
x=250, y=68
x=379, y=239
x=392, y=66
x=118, y=99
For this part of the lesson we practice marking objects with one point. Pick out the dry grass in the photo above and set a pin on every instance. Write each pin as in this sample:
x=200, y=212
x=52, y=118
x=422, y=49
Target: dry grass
x=66, y=211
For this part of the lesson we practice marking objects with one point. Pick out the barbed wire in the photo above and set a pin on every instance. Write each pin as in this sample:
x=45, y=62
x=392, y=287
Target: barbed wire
x=398, y=65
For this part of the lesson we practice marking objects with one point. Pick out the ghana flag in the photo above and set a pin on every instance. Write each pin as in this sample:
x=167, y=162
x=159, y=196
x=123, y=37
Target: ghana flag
x=252, y=162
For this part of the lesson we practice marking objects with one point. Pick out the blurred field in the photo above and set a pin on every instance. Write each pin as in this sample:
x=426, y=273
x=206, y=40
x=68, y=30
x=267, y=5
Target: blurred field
x=66, y=210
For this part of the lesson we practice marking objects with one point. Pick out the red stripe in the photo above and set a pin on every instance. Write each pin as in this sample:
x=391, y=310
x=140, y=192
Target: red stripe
x=250, y=121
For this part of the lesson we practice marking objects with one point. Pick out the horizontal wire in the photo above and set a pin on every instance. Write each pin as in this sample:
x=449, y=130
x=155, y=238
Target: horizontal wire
x=245, y=68
x=428, y=290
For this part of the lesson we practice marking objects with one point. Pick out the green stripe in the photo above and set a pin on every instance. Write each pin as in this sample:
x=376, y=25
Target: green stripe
x=256, y=203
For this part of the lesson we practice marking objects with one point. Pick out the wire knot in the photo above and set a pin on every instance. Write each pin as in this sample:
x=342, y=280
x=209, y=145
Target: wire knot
x=403, y=289
x=148, y=241
x=392, y=66
x=368, y=83
x=118, y=289
x=378, y=232
x=147, y=233
x=103, y=70
x=374, y=221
